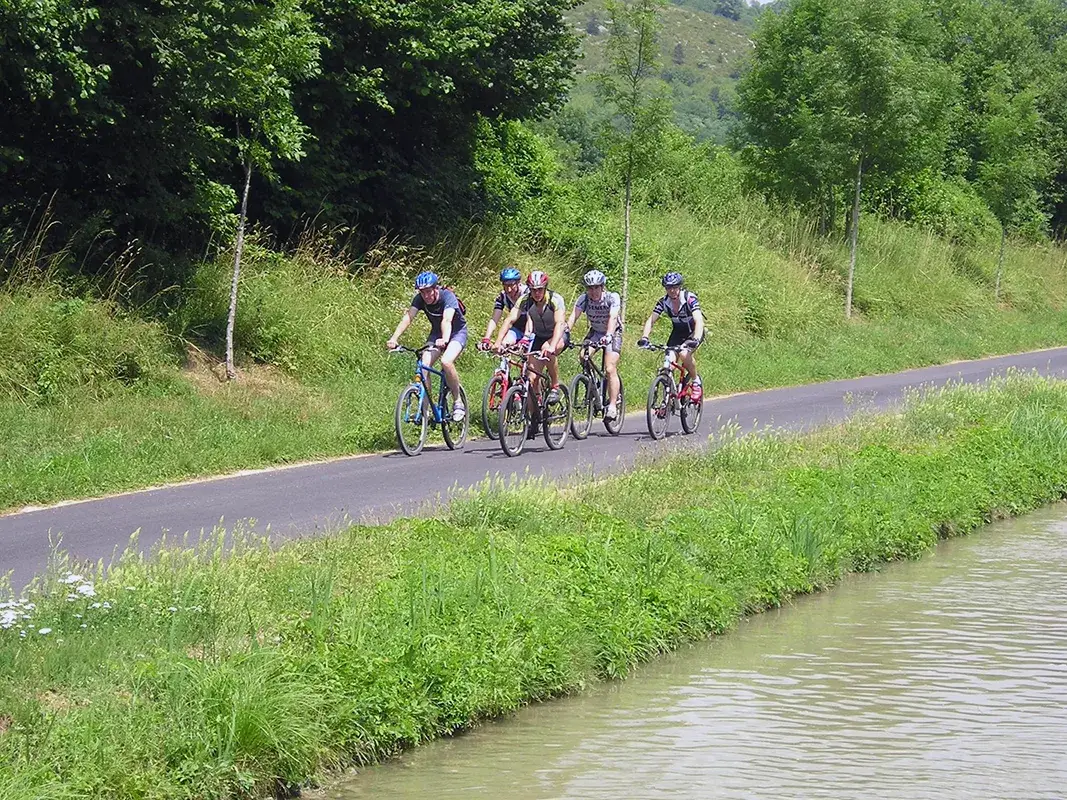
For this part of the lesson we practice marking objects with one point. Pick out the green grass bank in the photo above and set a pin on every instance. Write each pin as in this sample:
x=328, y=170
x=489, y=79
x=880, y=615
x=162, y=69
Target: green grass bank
x=202, y=673
x=96, y=397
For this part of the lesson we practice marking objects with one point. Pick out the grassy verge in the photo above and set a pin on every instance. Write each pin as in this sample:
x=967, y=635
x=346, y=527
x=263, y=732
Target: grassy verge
x=205, y=673
x=95, y=400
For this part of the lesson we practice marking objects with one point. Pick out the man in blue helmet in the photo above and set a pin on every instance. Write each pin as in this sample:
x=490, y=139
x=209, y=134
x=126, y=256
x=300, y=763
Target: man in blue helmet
x=514, y=290
x=602, y=309
x=687, y=326
x=448, y=331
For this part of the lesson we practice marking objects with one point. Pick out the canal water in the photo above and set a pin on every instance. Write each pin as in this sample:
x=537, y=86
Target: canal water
x=942, y=678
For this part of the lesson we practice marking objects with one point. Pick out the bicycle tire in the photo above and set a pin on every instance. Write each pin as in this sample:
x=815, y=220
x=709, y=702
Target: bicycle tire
x=690, y=414
x=556, y=419
x=492, y=397
x=659, y=407
x=614, y=427
x=514, y=422
x=582, y=402
x=449, y=428
x=411, y=417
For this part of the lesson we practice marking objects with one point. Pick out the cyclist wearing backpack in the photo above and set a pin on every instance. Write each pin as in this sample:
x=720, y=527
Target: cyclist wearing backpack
x=448, y=331
x=602, y=307
x=544, y=312
x=687, y=325
x=513, y=292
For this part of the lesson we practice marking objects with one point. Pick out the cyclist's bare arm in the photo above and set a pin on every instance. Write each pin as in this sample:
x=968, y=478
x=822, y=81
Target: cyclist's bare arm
x=512, y=318
x=493, y=322
x=402, y=326
x=557, y=332
x=698, y=324
x=446, y=324
x=573, y=318
x=648, y=325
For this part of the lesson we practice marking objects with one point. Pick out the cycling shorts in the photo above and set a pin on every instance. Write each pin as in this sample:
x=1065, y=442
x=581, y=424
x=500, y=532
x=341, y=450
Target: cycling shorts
x=614, y=345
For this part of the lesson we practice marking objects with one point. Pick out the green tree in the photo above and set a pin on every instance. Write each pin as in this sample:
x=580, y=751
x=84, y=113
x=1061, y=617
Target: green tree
x=638, y=101
x=839, y=89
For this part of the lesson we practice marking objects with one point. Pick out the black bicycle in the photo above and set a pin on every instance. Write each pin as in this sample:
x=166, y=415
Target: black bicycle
x=416, y=411
x=520, y=411
x=668, y=396
x=589, y=393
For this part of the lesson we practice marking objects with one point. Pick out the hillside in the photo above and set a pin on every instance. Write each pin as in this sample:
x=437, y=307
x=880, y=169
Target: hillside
x=701, y=54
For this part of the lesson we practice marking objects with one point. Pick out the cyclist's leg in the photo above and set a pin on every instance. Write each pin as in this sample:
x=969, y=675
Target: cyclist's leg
x=611, y=367
x=448, y=366
x=429, y=358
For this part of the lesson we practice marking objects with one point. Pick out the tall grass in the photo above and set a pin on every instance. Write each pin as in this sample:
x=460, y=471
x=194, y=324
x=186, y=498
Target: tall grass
x=207, y=671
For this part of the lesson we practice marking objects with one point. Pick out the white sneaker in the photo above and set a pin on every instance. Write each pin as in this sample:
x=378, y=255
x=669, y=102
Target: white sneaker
x=459, y=412
x=611, y=412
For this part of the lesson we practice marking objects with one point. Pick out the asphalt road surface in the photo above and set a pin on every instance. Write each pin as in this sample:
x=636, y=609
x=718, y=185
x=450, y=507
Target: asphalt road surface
x=309, y=498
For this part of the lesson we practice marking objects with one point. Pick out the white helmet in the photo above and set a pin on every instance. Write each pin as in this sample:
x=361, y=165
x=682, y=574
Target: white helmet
x=595, y=277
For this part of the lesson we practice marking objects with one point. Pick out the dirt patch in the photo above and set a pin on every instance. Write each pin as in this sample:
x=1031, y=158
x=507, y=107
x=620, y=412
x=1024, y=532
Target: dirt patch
x=207, y=373
x=5, y=723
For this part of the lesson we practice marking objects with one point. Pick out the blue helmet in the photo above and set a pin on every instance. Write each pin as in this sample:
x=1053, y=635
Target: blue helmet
x=426, y=280
x=673, y=279
x=509, y=274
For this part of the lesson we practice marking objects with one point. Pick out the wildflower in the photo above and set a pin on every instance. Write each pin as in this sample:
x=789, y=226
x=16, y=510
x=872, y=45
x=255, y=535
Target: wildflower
x=8, y=617
x=172, y=609
x=87, y=590
x=95, y=605
x=44, y=631
x=107, y=605
x=84, y=625
x=72, y=578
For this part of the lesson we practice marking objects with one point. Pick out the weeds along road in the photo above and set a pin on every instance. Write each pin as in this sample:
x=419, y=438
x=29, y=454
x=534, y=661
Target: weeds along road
x=311, y=498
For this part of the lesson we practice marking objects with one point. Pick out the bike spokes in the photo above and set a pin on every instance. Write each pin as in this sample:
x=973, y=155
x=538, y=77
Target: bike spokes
x=411, y=419
x=556, y=419
x=659, y=407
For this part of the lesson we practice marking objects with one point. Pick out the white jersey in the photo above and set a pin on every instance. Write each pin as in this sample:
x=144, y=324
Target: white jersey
x=599, y=312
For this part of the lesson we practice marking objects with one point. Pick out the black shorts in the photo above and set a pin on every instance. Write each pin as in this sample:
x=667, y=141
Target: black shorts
x=677, y=338
x=539, y=342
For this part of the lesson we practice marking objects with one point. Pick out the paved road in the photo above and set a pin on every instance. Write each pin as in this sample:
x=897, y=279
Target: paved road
x=304, y=499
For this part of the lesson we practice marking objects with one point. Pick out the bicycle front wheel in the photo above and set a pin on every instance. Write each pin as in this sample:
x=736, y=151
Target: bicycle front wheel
x=455, y=433
x=614, y=426
x=412, y=417
x=514, y=422
x=690, y=414
x=556, y=419
x=581, y=405
x=658, y=410
x=492, y=397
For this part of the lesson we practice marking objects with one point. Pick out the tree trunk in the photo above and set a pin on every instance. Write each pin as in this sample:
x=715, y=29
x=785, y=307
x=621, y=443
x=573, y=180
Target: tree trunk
x=1000, y=265
x=231, y=372
x=854, y=233
x=626, y=252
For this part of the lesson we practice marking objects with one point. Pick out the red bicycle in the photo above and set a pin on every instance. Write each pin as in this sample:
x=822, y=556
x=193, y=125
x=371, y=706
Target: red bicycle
x=503, y=378
x=666, y=396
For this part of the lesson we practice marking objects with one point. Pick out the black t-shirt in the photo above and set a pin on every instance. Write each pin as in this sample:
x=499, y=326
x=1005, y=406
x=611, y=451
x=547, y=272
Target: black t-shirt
x=505, y=304
x=435, y=312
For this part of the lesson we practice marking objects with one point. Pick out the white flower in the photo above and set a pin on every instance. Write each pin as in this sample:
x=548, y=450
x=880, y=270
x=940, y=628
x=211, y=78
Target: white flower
x=172, y=609
x=72, y=578
x=107, y=604
x=8, y=618
x=84, y=625
x=95, y=605
x=44, y=631
x=87, y=590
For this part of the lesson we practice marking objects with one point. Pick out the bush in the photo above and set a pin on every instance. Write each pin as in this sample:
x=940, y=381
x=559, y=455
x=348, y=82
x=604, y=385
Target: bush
x=950, y=207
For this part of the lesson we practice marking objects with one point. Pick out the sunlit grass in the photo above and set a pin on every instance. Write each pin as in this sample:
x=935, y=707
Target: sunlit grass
x=219, y=669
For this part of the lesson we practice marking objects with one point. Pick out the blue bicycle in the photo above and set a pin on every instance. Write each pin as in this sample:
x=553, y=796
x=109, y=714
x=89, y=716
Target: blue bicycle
x=416, y=412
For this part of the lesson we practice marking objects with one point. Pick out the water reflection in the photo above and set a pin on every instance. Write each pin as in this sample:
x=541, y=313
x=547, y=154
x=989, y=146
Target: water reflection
x=943, y=678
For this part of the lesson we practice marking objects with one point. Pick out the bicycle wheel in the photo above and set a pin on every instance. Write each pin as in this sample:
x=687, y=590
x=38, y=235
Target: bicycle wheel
x=581, y=405
x=513, y=422
x=412, y=416
x=492, y=397
x=556, y=419
x=658, y=410
x=614, y=427
x=455, y=433
x=690, y=414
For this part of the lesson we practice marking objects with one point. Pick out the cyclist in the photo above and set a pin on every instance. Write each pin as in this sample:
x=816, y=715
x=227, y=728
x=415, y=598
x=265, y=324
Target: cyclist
x=544, y=311
x=601, y=307
x=514, y=290
x=687, y=325
x=448, y=331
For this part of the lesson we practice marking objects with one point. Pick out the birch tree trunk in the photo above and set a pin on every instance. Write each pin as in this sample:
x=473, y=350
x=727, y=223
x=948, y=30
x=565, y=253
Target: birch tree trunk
x=854, y=237
x=231, y=371
x=1000, y=265
x=626, y=252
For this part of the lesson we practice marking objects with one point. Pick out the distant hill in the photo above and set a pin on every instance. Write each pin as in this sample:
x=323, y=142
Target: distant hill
x=702, y=54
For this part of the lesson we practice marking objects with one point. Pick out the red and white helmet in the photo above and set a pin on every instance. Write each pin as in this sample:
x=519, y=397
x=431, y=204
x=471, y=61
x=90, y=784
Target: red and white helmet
x=537, y=279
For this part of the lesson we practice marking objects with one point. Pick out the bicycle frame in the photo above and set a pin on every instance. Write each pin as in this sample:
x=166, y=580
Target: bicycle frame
x=597, y=373
x=670, y=362
x=425, y=382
